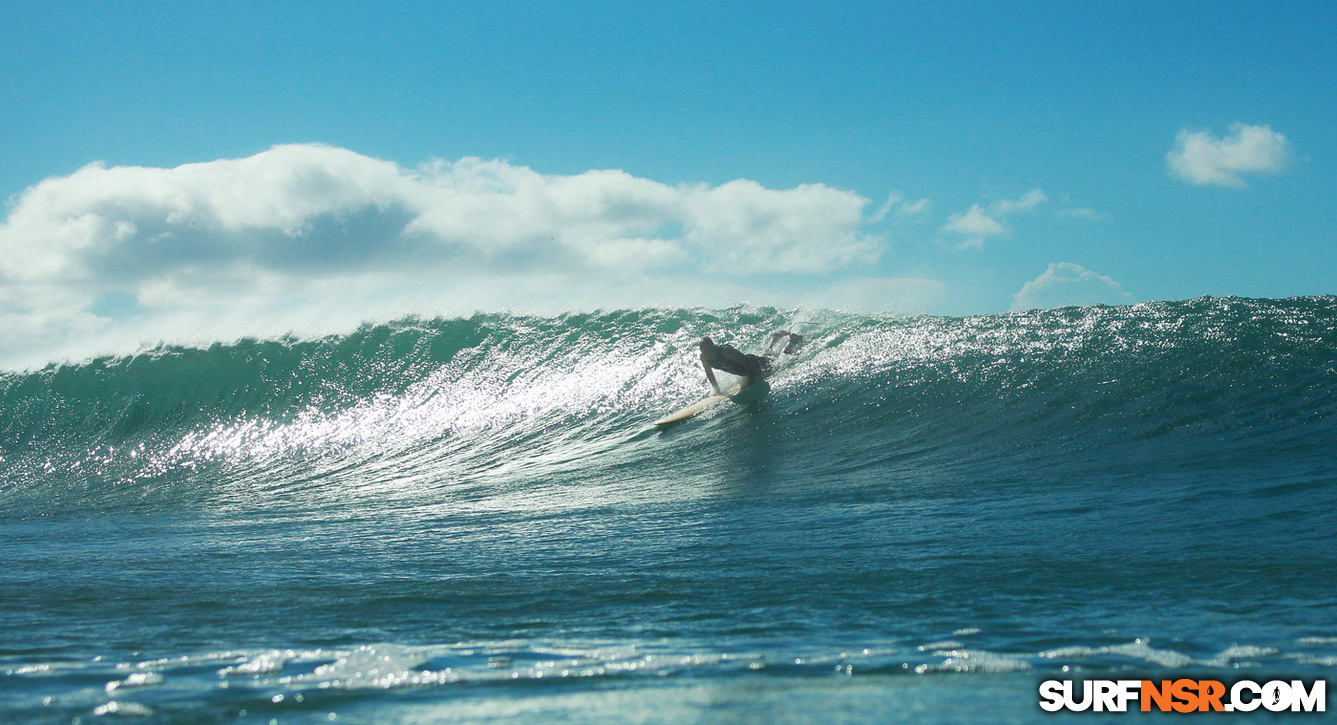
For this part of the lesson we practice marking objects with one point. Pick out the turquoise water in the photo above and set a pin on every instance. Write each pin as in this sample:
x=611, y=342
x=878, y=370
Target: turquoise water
x=473, y=520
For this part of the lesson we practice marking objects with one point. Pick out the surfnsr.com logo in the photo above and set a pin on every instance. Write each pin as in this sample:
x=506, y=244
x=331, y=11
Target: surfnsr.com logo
x=1183, y=696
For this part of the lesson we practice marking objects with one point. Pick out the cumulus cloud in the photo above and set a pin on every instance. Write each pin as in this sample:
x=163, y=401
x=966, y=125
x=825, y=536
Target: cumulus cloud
x=1066, y=284
x=744, y=227
x=974, y=227
x=1200, y=158
x=310, y=237
x=302, y=208
x=977, y=225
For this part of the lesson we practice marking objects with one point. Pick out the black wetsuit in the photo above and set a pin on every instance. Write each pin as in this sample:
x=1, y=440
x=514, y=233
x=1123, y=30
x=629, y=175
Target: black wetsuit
x=730, y=360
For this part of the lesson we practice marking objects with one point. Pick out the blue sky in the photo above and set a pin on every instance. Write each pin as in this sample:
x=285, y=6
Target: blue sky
x=949, y=158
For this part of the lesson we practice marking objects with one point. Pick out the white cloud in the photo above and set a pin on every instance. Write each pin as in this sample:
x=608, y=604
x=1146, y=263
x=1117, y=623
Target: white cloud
x=301, y=208
x=1200, y=158
x=903, y=207
x=977, y=225
x=1027, y=202
x=743, y=227
x=1066, y=284
x=1083, y=213
x=313, y=238
x=909, y=296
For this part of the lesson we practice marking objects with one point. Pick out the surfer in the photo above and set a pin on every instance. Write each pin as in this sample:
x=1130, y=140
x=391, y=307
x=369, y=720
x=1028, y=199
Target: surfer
x=750, y=367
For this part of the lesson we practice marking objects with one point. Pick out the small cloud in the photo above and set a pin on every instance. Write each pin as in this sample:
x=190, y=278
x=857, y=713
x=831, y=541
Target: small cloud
x=1028, y=202
x=904, y=208
x=914, y=208
x=975, y=226
x=1200, y=158
x=1066, y=284
x=980, y=224
x=1083, y=213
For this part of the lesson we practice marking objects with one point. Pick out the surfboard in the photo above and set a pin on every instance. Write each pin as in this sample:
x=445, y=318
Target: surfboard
x=698, y=407
x=737, y=393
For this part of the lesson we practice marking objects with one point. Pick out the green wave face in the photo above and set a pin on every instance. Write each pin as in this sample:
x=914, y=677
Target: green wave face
x=431, y=410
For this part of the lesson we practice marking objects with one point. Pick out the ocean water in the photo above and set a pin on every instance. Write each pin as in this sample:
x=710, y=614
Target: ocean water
x=472, y=520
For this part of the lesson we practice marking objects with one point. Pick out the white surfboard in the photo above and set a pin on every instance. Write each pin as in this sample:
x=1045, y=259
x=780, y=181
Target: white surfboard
x=699, y=406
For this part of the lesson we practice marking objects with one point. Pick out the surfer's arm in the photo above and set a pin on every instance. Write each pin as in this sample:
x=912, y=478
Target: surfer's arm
x=775, y=337
x=710, y=375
